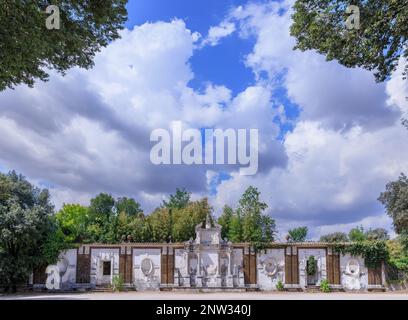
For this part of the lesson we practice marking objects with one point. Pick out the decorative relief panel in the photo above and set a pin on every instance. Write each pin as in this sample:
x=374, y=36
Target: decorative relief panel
x=271, y=265
x=147, y=268
x=354, y=274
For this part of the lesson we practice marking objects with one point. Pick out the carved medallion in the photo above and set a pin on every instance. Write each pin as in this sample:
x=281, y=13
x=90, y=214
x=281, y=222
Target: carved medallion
x=147, y=267
x=270, y=267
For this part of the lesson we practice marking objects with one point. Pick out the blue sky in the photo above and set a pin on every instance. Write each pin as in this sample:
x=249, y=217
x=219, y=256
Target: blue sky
x=330, y=137
x=222, y=64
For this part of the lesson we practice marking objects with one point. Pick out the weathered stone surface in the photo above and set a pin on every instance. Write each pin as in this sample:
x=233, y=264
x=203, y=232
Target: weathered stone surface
x=211, y=263
x=271, y=268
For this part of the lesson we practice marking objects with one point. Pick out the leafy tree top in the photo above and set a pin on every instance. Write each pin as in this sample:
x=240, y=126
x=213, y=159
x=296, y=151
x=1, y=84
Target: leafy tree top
x=28, y=49
x=335, y=237
x=378, y=234
x=250, y=201
x=128, y=206
x=395, y=200
x=298, y=234
x=377, y=45
x=179, y=200
x=357, y=234
x=102, y=205
x=25, y=225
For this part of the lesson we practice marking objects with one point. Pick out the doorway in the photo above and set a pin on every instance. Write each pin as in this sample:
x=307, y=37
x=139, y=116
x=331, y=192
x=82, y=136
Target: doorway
x=105, y=273
x=311, y=271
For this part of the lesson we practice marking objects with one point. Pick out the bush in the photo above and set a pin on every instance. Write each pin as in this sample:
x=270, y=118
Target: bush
x=117, y=283
x=280, y=286
x=311, y=266
x=373, y=252
x=324, y=286
x=397, y=266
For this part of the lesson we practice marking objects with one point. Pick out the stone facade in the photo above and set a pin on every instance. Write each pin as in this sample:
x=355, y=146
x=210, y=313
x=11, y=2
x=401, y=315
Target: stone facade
x=271, y=268
x=208, y=263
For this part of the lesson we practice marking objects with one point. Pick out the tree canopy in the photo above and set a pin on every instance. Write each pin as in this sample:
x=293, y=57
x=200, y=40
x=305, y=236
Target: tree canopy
x=179, y=200
x=73, y=220
x=225, y=221
x=334, y=237
x=357, y=234
x=128, y=206
x=28, y=50
x=377, y=44
x=298, y=234
x=377, y=234
x=395, y=200
x=25, y=227
x=249, y=223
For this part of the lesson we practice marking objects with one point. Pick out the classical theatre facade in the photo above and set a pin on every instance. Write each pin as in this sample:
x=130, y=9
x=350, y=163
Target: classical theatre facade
x=208, y=263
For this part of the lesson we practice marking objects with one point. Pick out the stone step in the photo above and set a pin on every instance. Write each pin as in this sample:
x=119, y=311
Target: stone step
x=382, y=289
x=313, y=289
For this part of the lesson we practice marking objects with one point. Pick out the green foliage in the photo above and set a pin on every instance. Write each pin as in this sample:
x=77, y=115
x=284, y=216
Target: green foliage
x=72, y=221
x=395, y=200
x=179, y=200
x=403, y=239
x=102, y=219
x=377, y=46
x=55, y=242
x=311, y=266
x=140, y=230
x=25, y=225
x=298, y=234
x=398, y=261
x=117, y=283
x=28, y=50
x=373, y=252
x=256, y=227
x=235, y=229
x=378, y=234
x=280, y=286
x=186, y=219
x=177, y=224
x=128, y=206
x=225, y=221
x=335, y=237
x=132, y=228
x=101, y=207
x=324, y=286
x=357, y=234
x=159, y=222
x=268, y=226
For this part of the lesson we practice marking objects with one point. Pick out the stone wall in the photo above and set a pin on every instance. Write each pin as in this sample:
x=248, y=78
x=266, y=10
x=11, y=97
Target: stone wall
x=98, y=257
x=271, y=268
x=147, y=268
x=354, y=274
x=320, y=257
x=155, y=266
